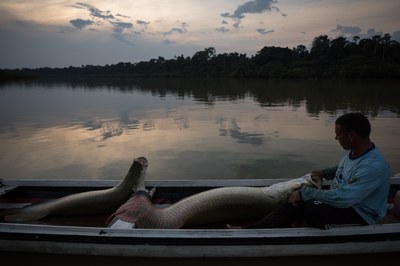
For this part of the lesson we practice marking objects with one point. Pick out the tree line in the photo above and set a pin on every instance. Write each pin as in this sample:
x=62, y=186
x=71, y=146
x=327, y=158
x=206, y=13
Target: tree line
x=376, y=57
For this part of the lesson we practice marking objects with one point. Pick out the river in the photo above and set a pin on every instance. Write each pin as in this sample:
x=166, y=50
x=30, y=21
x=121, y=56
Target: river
x=187, y=128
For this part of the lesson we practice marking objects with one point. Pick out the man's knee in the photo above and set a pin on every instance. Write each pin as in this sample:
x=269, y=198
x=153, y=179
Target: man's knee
x=314, y=214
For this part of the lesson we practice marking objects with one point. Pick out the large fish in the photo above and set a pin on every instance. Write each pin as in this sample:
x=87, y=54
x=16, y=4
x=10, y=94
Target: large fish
x=212, y=206
x=87, y=203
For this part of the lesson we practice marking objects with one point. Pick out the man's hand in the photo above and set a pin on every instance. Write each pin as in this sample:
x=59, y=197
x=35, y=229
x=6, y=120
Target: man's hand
x=295, y=198
x=317, y=174
x=317, y=177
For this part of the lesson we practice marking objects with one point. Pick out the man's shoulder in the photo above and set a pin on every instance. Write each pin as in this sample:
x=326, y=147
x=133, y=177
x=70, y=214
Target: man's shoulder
x=376, y=156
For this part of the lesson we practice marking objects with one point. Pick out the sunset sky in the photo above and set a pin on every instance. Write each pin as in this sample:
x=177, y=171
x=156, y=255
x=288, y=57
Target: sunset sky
x=57, y=33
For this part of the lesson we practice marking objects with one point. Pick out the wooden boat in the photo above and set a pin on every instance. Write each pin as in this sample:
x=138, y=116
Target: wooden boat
x=89, y=235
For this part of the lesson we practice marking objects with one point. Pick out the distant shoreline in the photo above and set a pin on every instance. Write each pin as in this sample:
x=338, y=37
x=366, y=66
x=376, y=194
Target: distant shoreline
x=376, y=57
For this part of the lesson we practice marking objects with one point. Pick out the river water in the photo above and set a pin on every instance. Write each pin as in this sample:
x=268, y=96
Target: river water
x=187, y=128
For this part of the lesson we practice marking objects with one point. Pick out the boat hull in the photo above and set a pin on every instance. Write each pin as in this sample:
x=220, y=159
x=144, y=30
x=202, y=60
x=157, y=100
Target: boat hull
x=66, y=239
x=200, y=243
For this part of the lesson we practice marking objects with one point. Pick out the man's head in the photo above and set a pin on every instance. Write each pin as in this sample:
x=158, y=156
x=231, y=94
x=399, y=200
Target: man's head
x=350, y=128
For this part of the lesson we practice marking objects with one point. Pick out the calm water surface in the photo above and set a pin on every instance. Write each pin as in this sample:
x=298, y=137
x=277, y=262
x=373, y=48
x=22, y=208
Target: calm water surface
x=187, y=129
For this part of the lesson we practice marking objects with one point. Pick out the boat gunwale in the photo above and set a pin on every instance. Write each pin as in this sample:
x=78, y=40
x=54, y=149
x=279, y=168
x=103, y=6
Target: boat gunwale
x=7, y=184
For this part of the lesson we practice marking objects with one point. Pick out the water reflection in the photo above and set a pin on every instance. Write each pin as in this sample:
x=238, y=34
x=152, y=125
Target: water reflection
x=368, y=96
x=188, y=129
x=235, y=132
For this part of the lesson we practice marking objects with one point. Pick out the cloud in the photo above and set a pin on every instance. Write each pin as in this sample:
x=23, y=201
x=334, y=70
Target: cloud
x=251, y=7
x=373, y=32
x=236, y=25
x=121, y=30
x=181, y=30
x=142, y=22
x=348, y=30
x=351, y=31
x=119, y=27
x=95, y=12
x=264, y=31
x=168, y=42
x=81, y=23
x=123, y=16
x=225, y=15
x=178, y=30
x=123, y=38
x=222, y=29
x=396, y=35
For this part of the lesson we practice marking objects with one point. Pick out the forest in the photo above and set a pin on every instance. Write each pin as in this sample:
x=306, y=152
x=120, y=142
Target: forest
x=376, y=57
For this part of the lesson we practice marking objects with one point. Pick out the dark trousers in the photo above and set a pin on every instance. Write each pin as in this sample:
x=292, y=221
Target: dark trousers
x=313, y=213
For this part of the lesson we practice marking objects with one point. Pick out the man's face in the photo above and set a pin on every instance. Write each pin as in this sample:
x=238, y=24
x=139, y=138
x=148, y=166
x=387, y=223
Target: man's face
x=342, y=137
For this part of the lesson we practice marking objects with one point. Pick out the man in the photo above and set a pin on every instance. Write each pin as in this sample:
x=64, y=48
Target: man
x=358, y=192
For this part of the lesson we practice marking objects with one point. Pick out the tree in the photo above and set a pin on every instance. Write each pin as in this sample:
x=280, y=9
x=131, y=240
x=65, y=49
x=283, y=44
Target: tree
x=300, y=50
x=337, y=46
x=204, y=56
x=270, y=54
x=320, y=45
x=356, y=39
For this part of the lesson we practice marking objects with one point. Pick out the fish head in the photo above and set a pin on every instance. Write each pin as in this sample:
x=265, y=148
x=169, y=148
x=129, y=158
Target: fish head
x=314, y=181
x=286, y=188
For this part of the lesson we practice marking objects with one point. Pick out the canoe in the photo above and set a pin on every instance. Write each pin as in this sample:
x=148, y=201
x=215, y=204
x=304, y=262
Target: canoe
x=90, y=235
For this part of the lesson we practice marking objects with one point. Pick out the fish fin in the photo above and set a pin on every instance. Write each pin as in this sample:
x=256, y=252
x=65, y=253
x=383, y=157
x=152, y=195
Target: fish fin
x=152, y=191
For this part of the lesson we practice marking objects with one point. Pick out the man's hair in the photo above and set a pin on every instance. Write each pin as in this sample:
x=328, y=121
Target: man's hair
x=355, y=122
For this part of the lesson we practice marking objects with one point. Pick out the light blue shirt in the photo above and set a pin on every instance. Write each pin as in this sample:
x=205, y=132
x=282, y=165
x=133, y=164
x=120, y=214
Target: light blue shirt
x=361, y=182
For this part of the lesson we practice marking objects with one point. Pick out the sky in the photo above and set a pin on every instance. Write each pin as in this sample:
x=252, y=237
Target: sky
x=63, y=33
